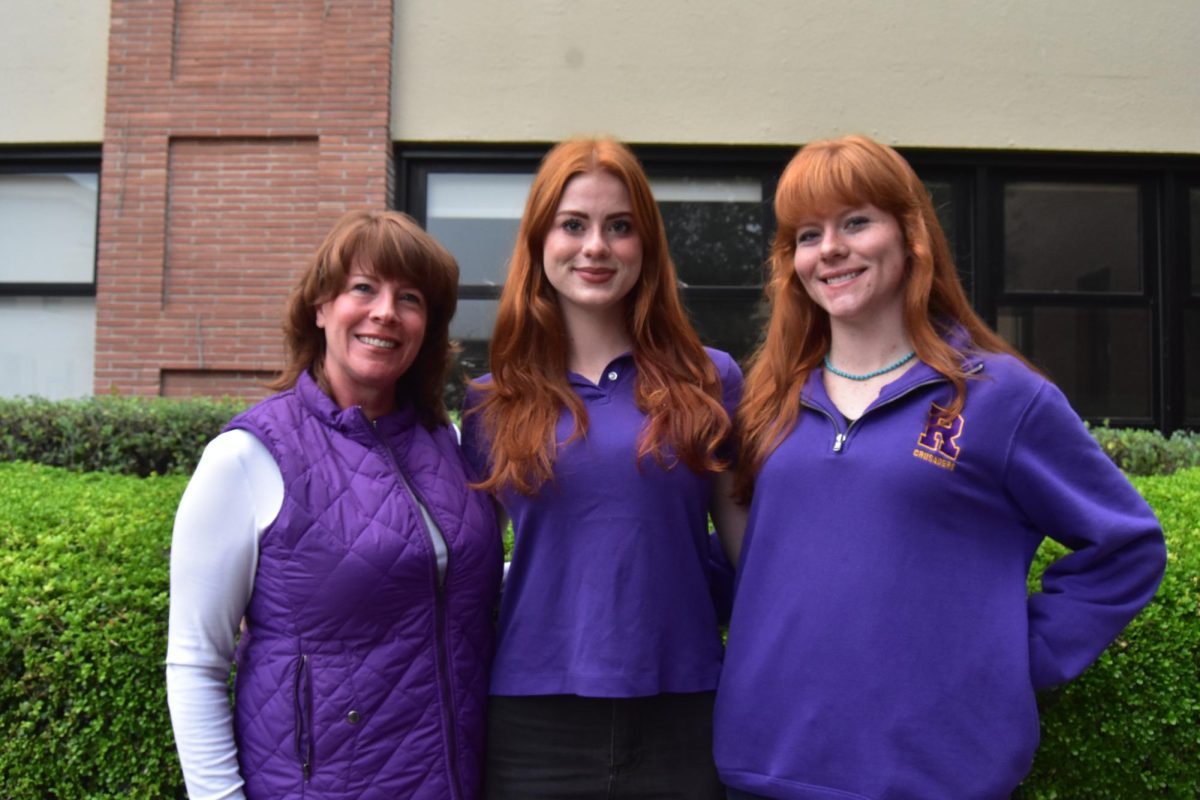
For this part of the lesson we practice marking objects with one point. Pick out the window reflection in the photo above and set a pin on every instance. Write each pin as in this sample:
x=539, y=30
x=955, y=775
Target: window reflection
x=729, y=323
x=475, y=215
x=1099, y=357
x=1194, y=209
x=48, y=228
x=1071, y=237
x=715, y=229
x=1191, y=359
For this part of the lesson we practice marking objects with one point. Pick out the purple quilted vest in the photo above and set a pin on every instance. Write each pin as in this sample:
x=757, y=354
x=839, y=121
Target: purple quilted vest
x=360, y=674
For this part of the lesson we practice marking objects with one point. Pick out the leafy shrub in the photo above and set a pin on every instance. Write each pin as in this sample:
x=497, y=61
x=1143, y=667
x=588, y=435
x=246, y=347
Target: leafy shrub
x=83, y=615
x=129, y=435
x=1142, y=452
x=1129, y=727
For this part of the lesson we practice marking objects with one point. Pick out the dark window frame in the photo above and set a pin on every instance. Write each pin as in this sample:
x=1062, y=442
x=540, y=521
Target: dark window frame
x=976, y=178
x=33, y=160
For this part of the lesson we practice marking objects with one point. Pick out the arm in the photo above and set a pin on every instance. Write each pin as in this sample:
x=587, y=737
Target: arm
x=234, y=494
x=1070, y=490
x=728, y=516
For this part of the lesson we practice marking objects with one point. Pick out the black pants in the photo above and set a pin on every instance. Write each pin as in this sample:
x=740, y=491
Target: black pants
x=565, y=747
x=738, y=794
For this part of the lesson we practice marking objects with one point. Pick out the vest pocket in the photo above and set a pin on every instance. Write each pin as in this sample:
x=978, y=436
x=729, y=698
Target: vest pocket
x=301, y=696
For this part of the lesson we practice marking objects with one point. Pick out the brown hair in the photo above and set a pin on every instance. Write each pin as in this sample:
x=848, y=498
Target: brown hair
x=393, y=247
x=823, y=177
x=677, y=387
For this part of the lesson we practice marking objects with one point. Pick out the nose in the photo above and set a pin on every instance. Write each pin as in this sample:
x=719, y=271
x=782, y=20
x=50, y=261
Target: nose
x=383, y=307
x=832, y=246
x=595, y=243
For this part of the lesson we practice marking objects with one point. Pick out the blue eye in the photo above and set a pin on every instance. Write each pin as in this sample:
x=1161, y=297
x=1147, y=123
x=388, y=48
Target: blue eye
x=411, y=297
x=857, y=221
x=807, y=237
x=572, y=225
x=362, y=287
x=621, y=226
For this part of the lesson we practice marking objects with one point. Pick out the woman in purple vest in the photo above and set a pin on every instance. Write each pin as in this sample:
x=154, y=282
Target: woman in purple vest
x=602, y=430
x=334, y=525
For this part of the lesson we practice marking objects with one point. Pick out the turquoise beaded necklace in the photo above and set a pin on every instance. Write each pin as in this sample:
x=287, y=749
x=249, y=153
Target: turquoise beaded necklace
x=866, y=376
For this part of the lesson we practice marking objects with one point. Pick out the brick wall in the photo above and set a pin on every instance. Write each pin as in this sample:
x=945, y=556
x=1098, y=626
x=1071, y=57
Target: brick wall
x=235, y=134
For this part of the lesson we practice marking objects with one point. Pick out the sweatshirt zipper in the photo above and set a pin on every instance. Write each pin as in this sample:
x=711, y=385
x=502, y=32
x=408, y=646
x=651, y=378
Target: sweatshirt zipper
x=439, y=601
x=839, y=439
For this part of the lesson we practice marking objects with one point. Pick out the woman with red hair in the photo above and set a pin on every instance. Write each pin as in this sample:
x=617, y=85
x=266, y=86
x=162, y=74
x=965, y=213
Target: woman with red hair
x=905, y=465
x=603, y=431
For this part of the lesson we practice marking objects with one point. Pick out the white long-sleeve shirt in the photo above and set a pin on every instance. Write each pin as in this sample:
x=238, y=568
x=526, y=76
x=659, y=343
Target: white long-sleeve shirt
x=235, y=493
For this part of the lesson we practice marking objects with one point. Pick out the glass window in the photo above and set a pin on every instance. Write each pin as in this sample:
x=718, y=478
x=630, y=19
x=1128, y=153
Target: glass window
x=727, y=322
x=48, y=228
x=1071, y=237
x=1194, y=209
x=1191, y=351
x=1099, y=357
x=475, y=215
x=61, y=364
x=714, y=229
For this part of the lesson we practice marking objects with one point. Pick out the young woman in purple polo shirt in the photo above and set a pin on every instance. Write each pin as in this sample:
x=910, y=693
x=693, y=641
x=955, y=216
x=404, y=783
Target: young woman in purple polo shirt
x=905, y=466
x=603, y=430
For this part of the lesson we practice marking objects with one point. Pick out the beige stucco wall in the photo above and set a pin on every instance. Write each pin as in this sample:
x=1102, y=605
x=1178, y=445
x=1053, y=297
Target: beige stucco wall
x=54, y=60
x=1108, y=75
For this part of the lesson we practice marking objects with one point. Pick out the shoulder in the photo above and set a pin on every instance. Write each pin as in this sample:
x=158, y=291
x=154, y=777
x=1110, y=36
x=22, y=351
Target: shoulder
x=1014, y=395
x=283, y=403
x=233, y=445
x=1006, y=376
x=476, y=389
x=726, y=366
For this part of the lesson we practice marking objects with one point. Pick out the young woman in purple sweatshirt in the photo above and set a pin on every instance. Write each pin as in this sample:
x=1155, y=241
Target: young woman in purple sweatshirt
x=905, y=463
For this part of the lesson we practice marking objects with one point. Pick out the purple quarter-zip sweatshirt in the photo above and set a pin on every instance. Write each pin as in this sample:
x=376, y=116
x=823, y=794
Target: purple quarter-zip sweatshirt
x=608, y=591
x=882, y=645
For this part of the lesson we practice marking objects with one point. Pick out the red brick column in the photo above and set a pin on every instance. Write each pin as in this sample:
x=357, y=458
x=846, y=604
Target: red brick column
x=235, y=134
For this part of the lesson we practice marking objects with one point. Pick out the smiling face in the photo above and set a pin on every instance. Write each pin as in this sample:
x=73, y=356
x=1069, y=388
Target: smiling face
x=373, y=331
x=592, y=254
x=851, y=262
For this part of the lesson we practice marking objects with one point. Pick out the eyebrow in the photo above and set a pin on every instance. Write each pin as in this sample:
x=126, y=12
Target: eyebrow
x=570, y=213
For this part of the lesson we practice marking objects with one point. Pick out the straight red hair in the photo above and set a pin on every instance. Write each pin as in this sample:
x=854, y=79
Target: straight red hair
x=677, y=387
x=823, y=177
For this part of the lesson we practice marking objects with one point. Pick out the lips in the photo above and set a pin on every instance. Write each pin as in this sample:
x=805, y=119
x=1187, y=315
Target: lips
x=375, y=341
x=595, y=274
x=835, y=280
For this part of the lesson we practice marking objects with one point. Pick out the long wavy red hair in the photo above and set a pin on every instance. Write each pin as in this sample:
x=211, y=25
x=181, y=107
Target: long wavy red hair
x=677, y=387
x=823, y=177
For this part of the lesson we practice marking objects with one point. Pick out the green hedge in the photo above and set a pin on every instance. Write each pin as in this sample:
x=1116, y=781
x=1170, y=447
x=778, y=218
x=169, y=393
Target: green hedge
x=83, y=619
x=83, y=616
x=1129, y=727
x=145, y=435
x=129, y=435
x=1142, y=452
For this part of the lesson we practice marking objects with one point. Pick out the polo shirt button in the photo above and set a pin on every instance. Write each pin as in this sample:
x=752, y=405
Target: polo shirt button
x=612, y=375
x=353, y=718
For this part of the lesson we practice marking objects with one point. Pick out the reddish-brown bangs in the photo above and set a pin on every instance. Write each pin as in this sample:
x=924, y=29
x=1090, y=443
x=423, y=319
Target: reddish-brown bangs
x=829, y=175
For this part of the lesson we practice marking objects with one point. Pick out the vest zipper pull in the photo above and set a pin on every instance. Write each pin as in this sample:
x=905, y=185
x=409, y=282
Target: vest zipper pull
x=838, y=441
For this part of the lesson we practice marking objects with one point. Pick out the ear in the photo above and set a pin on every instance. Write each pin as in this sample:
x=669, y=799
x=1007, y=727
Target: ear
x=321, y=316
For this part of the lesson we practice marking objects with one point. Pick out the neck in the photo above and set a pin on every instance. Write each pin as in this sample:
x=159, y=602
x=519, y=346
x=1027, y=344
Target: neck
x=861, y=349
x=373, y=404
x=594, y=339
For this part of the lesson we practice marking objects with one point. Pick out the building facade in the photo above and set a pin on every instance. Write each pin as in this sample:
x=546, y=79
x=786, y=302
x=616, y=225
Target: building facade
x=166, y=166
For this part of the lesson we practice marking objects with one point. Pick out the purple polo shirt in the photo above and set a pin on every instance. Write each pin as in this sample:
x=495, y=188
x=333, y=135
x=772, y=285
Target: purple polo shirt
x=608, y=591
